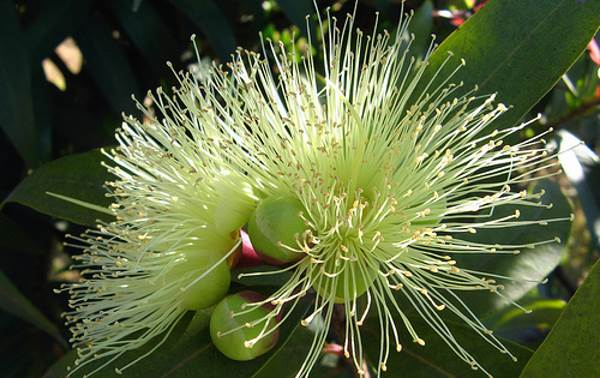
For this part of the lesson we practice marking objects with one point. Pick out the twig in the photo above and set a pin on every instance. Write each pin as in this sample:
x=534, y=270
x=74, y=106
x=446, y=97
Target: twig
x=580, y=111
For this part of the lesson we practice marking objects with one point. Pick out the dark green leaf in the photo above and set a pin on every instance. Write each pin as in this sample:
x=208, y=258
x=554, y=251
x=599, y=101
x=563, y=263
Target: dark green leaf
x=518, y=48
x=533, y=263
x=79, y=176
x=421, y=25
x=13, y=302
x=195, y=355
x=572, y=349
x=296, y=11
x=147, y=31
x=435, y=359
x=53, y=22
x=108, y=65
x=213, y=23
x=16, y=109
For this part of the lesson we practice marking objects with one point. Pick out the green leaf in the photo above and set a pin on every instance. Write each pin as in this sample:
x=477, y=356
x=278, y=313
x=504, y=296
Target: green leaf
x=108, y=65
x=296, y=11
x=16, y=109
x=79, y=176
x=533, y=263
x=191, y=354
x=15, y=303
x=421, y=25
x=518, y=48
x=572, y=349
x=53, y=22
x=213, y=23
x=147, y=31
x=435, y=359
x=544, y=314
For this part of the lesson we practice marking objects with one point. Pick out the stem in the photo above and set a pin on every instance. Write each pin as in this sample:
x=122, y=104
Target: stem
x=580, y=111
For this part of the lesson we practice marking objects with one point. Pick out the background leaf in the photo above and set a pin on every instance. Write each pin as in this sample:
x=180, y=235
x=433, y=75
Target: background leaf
x=215, y=26
x=513, y=322
x=55, y=20
x=507, y=46
x=296, y=11
x=435, y=359
x=108, y=66
x=147, y=31
x=531, y=264
x=421, y=25
x=79, y=176
x=572, y=349
x=16, y=109
x=13, y=302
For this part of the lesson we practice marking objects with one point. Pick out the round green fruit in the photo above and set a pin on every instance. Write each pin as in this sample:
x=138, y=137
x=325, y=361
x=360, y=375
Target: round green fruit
x=208, y=290
x=277, y=221
x=236, y=344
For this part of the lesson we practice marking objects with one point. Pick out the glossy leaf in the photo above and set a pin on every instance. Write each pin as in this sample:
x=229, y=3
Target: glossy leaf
x=572, y=349
x=16, y=109
x=79, y=176
x=508, y=46
x=213, y=24
x=533, y=263
x=15, y=303
x=435, y=359
x=190, y=354
x=108, y=65
x=147, y=31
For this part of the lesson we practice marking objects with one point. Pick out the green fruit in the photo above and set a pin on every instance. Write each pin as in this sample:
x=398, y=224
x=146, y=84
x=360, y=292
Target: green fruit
x=277, y=221
x=236, y=344
x=347, y=283
x=208, y=290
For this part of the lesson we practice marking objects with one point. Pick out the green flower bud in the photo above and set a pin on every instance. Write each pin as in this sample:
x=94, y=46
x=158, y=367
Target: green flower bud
x=242, y=331
x=233, y=203
x=209, y=289
x=276, y=223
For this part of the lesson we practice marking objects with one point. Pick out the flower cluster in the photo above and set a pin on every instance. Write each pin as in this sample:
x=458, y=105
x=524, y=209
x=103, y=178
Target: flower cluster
x=379, y=175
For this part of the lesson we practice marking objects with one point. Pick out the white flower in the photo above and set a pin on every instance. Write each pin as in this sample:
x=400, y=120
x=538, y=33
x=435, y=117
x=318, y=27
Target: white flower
x=391, y=172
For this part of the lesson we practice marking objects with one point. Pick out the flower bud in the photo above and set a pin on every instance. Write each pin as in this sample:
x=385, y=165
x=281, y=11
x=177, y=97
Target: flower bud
x=209, y=289
x=275, y=224
x=242, y=331
x=233, y=202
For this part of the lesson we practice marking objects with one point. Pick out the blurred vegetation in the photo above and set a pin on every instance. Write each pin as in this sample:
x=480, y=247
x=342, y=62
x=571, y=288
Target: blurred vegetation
x=68, y=69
